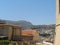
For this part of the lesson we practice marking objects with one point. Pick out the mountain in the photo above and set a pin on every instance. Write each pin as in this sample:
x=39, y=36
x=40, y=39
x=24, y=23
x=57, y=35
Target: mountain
x=24, y=24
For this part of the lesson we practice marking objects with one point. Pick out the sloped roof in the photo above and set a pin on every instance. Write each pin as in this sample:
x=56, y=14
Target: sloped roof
x=28, y=32
x=33, y=33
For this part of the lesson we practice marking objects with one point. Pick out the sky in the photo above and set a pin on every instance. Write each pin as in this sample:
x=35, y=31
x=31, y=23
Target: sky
x=35, y=11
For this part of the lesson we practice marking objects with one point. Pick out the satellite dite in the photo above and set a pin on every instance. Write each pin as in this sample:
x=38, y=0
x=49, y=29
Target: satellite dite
x=57, y=36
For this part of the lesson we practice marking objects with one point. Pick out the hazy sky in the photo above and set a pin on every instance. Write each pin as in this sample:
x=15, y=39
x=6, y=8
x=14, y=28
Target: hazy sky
x=34, y=11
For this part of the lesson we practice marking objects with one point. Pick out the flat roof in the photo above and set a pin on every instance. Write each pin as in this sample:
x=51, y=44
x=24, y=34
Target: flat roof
x=10, y=25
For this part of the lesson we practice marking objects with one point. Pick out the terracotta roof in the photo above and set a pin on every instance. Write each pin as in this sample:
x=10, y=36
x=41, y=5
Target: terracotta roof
x=33, y=33
x=28, y=32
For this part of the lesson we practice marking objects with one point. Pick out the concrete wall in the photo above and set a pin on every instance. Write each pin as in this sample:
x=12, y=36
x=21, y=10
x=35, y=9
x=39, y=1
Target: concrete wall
x=57, y=36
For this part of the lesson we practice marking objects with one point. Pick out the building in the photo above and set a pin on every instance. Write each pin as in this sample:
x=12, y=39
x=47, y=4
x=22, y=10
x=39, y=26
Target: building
x=29, y=37
x=57, y=36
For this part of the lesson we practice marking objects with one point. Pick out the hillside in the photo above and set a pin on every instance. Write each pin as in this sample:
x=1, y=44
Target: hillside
x=50, y=29
x=24, y=24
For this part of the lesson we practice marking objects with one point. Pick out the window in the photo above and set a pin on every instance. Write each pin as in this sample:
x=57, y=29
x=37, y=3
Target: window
x=3, y=30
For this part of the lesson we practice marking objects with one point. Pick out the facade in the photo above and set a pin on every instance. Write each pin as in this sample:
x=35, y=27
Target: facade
x=30, y=37
x=57, y=36
x=13, y=32
x=32, y=33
